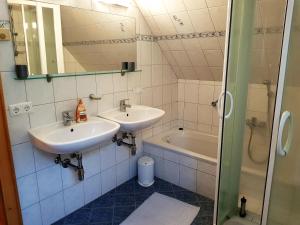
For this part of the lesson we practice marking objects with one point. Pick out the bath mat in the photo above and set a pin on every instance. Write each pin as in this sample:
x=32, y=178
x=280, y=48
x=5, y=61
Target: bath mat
x=159, y=209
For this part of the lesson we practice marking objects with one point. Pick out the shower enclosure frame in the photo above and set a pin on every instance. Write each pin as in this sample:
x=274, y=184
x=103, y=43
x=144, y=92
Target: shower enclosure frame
x=223, y=90
x=278, y=106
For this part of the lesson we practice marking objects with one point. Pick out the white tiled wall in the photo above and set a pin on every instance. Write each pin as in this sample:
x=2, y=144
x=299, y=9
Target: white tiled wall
x=47, y=191
x=194, y=105
x=190, y=173
x=197, y=58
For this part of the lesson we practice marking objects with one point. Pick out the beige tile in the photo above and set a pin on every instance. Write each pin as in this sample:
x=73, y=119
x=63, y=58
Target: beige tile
x=156, y=8
x=184, y=18
x=204, y=128
x=156, y=54
x=146, y=77
x=175, y=45
x=146, y=53
x=210, y=43
x=65, y=88
x=197, y=58
x=39, y=91
x=192, y=4
x=191, y=44
x=181, y=92
x=86, y=85
x=106, y=103
x=191, y=93
x=190, y=112
x=154, y=28
x=174, y=5
x=201, y=20
x=120, y=83
x=214, y=3
x=105, y=84
x=214, y=57
x=157, y=96
x=189, y=73
x=206, y=94
x=157, y=75
x=182, y=58
x=14, y=90
x=205, y=114
x=203, y=73
x=165, y=24
x=219, y=15
x=42, y=115
x=190, y=125
x=215, y=117
x=146, y=97
x=167, y=94
x=217, y=73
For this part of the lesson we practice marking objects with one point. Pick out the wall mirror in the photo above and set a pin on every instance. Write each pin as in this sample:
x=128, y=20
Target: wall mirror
x=55, y=39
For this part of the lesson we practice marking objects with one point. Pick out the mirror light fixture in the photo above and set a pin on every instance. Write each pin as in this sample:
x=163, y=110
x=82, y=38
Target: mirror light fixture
x=123, y=3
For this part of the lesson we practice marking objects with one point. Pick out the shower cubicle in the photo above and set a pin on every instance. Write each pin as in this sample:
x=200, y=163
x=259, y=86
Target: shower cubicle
x=258, y=147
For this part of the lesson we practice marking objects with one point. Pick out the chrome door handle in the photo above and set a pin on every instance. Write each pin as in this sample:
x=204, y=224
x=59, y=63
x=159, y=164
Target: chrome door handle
x=283, y=150
x=220, y=104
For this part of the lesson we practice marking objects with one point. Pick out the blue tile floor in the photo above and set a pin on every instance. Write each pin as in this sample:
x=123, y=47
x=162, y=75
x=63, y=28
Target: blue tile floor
x=116, y=205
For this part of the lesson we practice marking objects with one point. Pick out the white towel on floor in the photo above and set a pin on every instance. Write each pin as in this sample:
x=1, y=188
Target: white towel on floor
x=159, y=209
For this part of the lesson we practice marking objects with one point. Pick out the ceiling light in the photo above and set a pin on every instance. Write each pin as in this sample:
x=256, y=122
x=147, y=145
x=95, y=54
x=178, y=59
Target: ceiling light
x=123, y=3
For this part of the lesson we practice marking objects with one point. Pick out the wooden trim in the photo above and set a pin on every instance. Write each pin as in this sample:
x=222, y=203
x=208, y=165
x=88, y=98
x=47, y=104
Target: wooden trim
x=8, y=189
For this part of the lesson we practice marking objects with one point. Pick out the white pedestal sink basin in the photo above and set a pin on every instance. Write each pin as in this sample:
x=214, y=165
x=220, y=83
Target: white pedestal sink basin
x=135, y=118
x=59, y=139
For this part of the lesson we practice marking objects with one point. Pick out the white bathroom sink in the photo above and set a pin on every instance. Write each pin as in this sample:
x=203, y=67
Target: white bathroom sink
x=59, y=139
x=135, y=118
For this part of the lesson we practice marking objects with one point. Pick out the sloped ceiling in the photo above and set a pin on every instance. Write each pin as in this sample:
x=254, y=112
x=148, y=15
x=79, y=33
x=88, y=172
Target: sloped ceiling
x=198, y=55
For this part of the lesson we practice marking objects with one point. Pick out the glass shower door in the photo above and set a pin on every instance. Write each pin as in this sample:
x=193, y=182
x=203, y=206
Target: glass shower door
x=242, y=14
x=282, y=206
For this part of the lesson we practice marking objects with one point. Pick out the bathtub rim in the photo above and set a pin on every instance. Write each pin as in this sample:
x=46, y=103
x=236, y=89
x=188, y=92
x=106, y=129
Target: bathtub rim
x=158, y=142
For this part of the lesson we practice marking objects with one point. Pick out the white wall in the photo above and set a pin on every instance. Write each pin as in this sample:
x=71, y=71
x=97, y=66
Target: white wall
x=194, y=105
x=47, y=191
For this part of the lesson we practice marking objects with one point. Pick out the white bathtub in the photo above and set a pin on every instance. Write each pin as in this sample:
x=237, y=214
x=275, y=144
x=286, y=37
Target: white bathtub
x=189, y=159
x=185, y=158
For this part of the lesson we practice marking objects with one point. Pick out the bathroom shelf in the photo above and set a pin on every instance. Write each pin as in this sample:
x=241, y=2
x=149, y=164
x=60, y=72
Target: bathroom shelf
x=49, y=77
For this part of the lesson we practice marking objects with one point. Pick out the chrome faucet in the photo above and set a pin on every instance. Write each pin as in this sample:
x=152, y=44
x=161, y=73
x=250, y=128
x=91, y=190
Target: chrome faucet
x=67, y=117
x=123, y=105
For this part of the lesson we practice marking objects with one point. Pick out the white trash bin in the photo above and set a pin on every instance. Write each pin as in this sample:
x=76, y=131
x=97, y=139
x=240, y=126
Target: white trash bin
x=146, y=171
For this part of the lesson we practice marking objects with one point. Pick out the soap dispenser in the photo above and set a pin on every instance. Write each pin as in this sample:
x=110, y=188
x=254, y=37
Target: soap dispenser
x=81, y=112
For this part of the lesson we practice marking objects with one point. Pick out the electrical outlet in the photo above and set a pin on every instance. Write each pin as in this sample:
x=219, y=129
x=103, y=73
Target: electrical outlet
x=15, y=110
x=20, y=108
x=27, y=107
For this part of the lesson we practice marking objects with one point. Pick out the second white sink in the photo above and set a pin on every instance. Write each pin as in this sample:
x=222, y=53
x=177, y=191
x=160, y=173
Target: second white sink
x=135, y=118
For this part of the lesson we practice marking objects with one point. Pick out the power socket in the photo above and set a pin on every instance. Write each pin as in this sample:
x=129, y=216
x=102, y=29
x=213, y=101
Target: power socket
x=26, y=107
x=15, y=110
x=20, y=108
